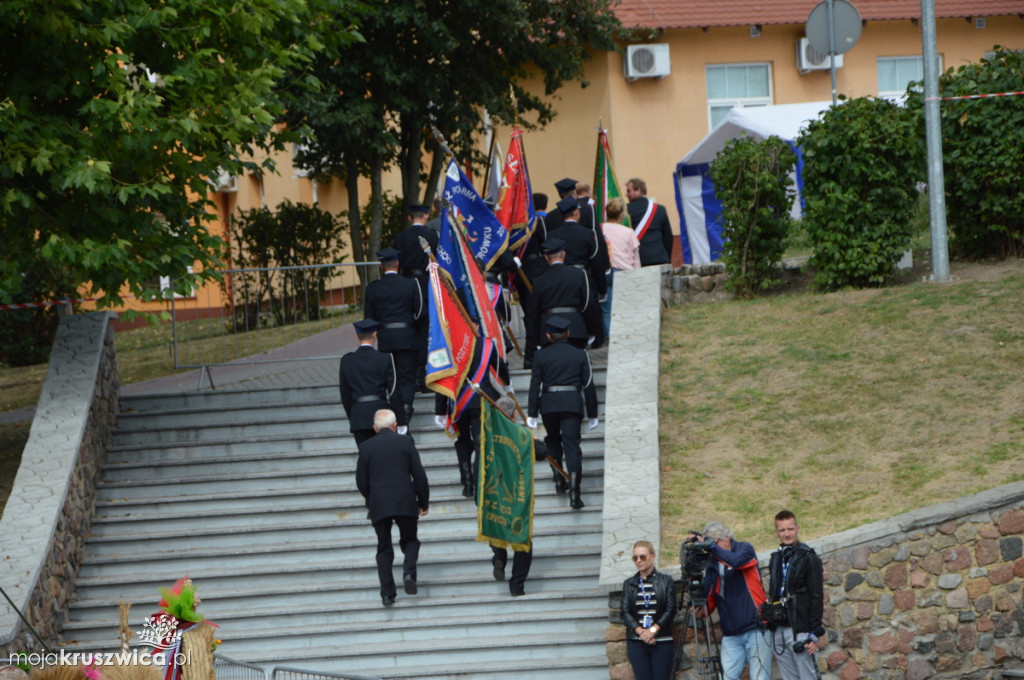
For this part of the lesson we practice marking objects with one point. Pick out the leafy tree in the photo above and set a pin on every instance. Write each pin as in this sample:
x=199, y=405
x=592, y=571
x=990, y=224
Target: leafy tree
x=752, y=180
x=442, y=63
x=863, y=161
x=115, y=113
x=983, y=163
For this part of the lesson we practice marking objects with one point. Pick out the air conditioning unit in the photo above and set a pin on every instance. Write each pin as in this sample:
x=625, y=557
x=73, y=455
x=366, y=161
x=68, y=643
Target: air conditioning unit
x=809, y=59
x=647, y=61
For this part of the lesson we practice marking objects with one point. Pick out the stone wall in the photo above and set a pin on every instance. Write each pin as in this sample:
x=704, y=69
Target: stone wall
x=49, y=511
x=694, y=283
x=934, y=593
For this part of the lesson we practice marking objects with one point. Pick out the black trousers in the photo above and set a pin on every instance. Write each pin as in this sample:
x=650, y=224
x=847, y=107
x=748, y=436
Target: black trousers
x=405, y=374
x=521, y=562
x=564, y=435
x=407, y=541
x=530, y=322
x=467, y=445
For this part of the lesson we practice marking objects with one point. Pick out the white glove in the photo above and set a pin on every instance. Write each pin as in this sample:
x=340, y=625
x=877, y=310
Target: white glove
x=441, y=422
x=403, y=429
x=590, y=340
x=509, y=389
x=592, y=423
x=519, y=263
x=531, y=423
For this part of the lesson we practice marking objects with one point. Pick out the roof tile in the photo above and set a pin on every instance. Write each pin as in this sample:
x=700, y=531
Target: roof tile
x=704, y=13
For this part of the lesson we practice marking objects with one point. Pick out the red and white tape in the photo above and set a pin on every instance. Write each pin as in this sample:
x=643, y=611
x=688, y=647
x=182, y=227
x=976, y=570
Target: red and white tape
x=33, y=305
x=977, y=96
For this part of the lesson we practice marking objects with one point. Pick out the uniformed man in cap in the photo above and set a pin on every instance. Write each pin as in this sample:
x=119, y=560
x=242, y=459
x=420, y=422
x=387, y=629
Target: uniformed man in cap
x=561, y=384
x=562, y=291
x=414, y=266
x=396, y=303
x=565, y=187
x=582, y=252
x=368, y=383
x=533, y=265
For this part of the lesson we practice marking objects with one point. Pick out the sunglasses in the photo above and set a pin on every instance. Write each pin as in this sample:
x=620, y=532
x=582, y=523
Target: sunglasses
x=637, y=558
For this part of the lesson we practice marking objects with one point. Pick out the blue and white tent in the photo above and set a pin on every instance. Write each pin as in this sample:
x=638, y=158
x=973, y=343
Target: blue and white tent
x=700, y=211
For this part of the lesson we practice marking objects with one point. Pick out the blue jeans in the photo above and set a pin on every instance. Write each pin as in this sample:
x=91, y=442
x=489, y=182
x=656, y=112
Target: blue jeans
x=606, y=306
x=650, y=662
x=752, y=647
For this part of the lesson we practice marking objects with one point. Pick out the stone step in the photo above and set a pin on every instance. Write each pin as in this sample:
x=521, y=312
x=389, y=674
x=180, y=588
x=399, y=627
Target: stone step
x=548, y=575
x=226, y=398
x=352, y=526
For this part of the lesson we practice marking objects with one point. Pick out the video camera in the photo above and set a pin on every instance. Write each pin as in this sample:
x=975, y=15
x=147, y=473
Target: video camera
x=694, y=557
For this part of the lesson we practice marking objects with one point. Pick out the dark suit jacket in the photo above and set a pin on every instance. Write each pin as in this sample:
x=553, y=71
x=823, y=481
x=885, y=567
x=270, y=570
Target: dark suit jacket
x=656, y=245
x=394, y=299
x=390, y=476
x=562, y=286
x=561, y=364
x=364, y=373
x=411, y=252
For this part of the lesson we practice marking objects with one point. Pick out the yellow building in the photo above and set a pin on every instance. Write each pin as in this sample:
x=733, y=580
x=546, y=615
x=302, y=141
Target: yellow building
x=708, y=56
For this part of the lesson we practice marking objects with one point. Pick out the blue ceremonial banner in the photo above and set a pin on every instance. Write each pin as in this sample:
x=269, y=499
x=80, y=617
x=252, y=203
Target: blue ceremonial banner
x=487, y=237
x=448, y=251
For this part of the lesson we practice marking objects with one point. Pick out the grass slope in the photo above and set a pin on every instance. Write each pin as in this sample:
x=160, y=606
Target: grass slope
x=845, y=408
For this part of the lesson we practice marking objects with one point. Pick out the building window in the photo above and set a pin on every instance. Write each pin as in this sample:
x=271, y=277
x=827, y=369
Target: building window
x=737, y=85
x=896, y=73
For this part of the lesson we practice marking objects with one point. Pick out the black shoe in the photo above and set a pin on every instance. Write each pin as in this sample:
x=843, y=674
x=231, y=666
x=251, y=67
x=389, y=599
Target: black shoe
x=388, y=600
x=499, y=570
x=518, y=593
x=561, y=485
x=575, y=502
x=410, y=584
x=466, y=477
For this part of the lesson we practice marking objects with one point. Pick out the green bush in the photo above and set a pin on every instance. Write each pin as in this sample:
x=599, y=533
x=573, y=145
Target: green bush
x=752, y=181
x=863, y=162
x=264, y=242
x=983, y=162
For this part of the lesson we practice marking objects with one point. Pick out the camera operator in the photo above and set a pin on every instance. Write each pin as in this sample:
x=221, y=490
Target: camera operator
x=797, y=583
x=732, y=584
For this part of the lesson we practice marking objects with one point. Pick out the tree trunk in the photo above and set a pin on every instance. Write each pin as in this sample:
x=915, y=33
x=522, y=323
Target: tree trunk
x=376, y=204
x=354, y=218
x=436, y=168
x=410, y=157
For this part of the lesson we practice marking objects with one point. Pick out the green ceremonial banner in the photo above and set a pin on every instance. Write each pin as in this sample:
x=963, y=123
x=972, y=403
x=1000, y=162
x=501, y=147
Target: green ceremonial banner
x=605, y=185
x=505, y=513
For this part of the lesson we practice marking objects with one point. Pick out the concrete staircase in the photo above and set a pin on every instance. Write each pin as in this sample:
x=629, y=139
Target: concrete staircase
x=252, y=494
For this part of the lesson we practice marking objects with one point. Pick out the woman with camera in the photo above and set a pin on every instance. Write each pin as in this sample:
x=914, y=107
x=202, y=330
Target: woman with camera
x=648, y=607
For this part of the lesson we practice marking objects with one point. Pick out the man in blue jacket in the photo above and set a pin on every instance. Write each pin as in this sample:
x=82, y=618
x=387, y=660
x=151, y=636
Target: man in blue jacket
x=732, y=585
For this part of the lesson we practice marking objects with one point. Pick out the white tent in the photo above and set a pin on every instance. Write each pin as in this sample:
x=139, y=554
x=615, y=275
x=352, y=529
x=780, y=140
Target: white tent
x=699, y=209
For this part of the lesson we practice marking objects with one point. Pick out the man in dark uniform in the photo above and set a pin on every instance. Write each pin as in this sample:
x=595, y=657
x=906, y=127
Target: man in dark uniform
x=650, y=222
x=582, y=251
x=600, y=264
x=467, y=445
x=562, y=291
x=396, y=303
x=391, y=478
x=414, y=266
x=565, y=187
x=521, y=559
x=367, y=381
x=533, y=265
x=561, y=378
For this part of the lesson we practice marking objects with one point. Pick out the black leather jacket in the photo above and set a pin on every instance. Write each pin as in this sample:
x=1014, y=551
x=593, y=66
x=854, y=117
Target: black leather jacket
x=804, y=587
x=664, y=591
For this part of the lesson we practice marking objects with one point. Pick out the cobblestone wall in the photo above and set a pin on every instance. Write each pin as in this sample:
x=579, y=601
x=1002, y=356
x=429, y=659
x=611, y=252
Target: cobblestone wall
x=930, y=594
x=694, y=283
x=57, y=480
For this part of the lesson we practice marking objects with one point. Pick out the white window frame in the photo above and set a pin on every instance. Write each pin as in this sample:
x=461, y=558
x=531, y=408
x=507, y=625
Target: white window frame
x=898, y=96
x=741, y=101
x=165, y=288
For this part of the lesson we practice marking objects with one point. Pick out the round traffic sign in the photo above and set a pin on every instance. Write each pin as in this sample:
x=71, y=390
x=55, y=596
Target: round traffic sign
x=846, y=19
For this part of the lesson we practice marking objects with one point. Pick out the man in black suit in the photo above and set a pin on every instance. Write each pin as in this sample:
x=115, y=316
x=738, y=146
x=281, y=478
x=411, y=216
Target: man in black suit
x=562, y=380
x=391, y=478
x=650, y=222
x=533, y=265
x=396, y=303
x=367, y=381
x=583, y=251
x=563, y=291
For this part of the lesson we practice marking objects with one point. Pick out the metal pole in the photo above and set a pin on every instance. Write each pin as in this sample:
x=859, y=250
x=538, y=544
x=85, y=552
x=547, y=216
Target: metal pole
x=832, y=49
x=933, y=138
